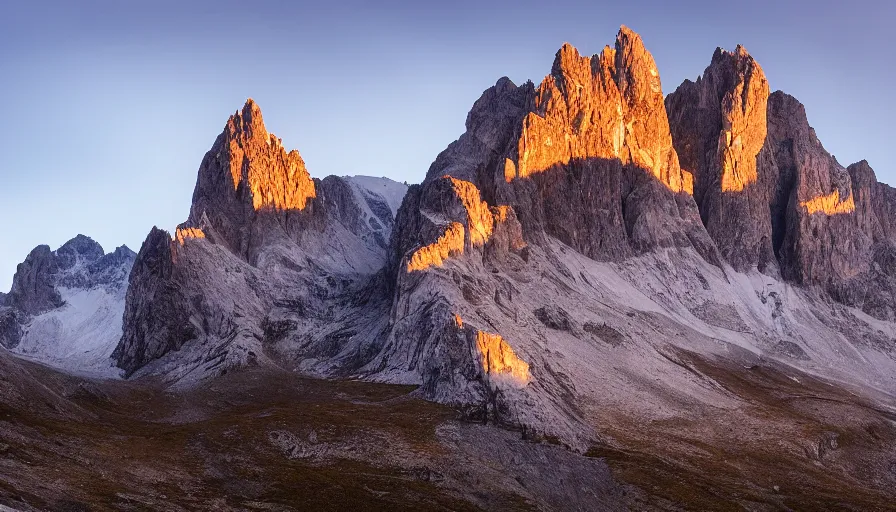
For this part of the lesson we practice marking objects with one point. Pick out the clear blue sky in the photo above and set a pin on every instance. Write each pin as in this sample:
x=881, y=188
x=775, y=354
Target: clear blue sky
x=110, y=106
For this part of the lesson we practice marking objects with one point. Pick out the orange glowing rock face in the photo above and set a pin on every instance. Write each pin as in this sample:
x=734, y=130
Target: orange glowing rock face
x=277, y=180
x=479, y=218
x=609, y=106
x=435, y=254
x=744, y=125
x=181, y=235
x=509, y=170
x=500, y=213
x=687, y=182
x=830, y=204
x=499, y=362
x=480, y=226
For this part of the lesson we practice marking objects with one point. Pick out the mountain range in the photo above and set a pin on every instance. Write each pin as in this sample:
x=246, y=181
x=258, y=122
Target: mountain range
x=685, y=284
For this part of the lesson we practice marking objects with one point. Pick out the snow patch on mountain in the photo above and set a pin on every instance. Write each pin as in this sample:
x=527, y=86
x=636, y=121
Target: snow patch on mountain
x=80, y=336
x=66, y=306
x=392, y=191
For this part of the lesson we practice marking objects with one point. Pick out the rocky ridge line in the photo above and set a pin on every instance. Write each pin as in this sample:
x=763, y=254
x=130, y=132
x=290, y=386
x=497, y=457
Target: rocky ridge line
x=559, y=238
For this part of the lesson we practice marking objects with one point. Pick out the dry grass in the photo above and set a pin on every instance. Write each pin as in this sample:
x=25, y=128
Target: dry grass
x=211, y=448
x=765, y=455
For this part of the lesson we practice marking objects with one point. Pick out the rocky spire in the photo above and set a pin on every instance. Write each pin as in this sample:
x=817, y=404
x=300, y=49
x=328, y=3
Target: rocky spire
x=719, y=127
x=154, y=324
x=771, y=196
x=247, y=173
x=606, y=106
x=590, y=159
x=259, y=226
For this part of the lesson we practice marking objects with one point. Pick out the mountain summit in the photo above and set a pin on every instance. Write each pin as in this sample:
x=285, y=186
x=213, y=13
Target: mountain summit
x=65, y=306
x=772, y=197
x=247, y=174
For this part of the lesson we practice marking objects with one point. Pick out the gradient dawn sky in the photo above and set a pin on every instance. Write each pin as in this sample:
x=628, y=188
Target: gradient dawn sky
x=110, y=106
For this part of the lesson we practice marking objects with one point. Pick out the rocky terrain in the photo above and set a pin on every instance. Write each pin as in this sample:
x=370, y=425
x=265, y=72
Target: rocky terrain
x=772, y=197
x=272, y=267
x=263, y=439
x=668, y=302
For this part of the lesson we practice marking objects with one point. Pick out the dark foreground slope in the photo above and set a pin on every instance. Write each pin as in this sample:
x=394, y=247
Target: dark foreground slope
x=265, y=440
x=258, y=439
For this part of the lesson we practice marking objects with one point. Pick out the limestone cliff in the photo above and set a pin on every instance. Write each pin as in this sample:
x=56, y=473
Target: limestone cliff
x=719, y=128
x=771, y=196
x=248, y=174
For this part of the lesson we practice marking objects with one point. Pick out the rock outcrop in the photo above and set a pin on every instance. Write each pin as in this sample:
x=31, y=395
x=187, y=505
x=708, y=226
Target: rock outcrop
x=819, y=240
x=270, y=262
x=160, y=322
x=719, y=128
x=873, y=212
x=33, y=286
x=248, y=178
x=585, y=157
x=11, y=321
x=499, y=362
x=771, y=196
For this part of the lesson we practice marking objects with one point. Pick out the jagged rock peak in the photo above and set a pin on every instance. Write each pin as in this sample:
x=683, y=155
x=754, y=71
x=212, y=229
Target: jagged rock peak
x=82, y=244
x=251, y=116
x=586, y=156
x=743, y=91
x=285, y=183
x=629, y=35
x=587, y=108
x=124, y=250
x=47, y=281
x=636, y=73
x=153, y=324
x=771, y=196
x=719, y=126
x=81, y=247
x=247, y=171
x=568, y=64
